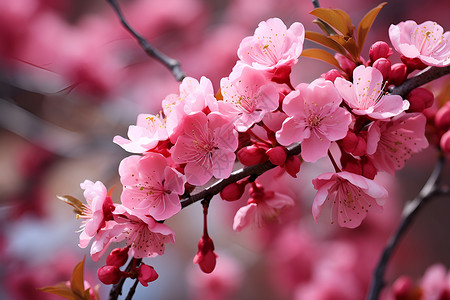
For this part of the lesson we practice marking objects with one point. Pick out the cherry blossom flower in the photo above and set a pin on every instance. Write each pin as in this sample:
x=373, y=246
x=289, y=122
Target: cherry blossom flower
x=365, y=95
x=151, y=186
x=350, y=196
x=96, y=211
x=145, y=135
x=247, y=98
x=315, y=118
x=145, y=236
x=193, y=97
x=273, y=45
x=206, y=146
x=261, y=206
x=426, y=41
x=390, y=144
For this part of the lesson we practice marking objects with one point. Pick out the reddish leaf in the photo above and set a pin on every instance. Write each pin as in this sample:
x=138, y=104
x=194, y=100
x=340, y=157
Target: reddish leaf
x=74, y=202
x=346, y=18
x=332, y=18
x=349, y=44
x=365, y=25
x=325, y=41
x=61, y=289
x=77, y=281
x=321, y=55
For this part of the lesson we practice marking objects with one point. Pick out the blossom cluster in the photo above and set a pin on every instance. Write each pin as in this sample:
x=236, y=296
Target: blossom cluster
x=258, y=116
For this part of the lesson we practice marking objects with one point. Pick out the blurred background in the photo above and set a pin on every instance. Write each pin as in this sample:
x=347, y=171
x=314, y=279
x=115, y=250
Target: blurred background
x=71, y=78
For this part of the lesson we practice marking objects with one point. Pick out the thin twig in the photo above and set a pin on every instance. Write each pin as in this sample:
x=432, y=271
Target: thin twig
x=132, y=290
x=116, y=290
x=429, y=190
x=316, y=3
x=172, y=64
x=216, y=187
x=419, y=80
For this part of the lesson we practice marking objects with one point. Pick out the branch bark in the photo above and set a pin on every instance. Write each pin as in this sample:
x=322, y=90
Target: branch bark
x=429, y=190
x=172, y=64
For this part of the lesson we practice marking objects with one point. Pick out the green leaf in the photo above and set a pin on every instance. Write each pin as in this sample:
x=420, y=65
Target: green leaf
x=321, y=55
x=365, y=25
x=325, y=41
x=77, y=281
x=74, y=202
x=334, y=18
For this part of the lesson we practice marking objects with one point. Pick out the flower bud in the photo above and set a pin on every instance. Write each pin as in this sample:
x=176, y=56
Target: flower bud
x=233, y=191
x=205, y=257
x=349, y=142
x=368, y=168
x=420, y=99
x=384, y=66
x=292, y=165
x=378, y=50
x=277, y=155
x=146, y=274
x=442, y=118
x=281, y=74
x=351, y=164
x=398, y=74
x=346, y=64
x=445, y=142
x=331, y=75
x=108, y=208
x=252, y=155
x=110, y=274
x=403, y=288
x=413, y=63
x=118, y=257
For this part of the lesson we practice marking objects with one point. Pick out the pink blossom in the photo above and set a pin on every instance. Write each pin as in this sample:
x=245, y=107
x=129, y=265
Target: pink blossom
x=98, y=207
x=390, y=144
x=365, y=95
x=151, y=186
x=426, y=41
x=206, y=146
x=262, y=206
x=273, y=45
x=315, y=118
x=145, y=135
x=193, y=97
x=351, y=196
x=145, y=236
x=247, y=98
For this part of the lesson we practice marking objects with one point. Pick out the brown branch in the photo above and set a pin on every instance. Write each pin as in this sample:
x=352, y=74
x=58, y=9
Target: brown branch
x=419, y=80
x=429, y=190
x=216, y=187
x=172, y=64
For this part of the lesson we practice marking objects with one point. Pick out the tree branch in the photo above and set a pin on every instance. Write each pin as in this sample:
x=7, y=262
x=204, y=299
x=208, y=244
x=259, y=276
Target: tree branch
x=216, y=187
x=429, y=190
x=172, y=64
x=419, y=80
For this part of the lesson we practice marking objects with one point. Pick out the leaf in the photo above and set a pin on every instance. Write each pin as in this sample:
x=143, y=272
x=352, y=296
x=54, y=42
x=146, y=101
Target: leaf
x=365, y=25
x=346, y=18
x=74, y=202
x=77, y=281
x=325, y=41
x=321, y=55
x=349, y=44
x=333, y=18
x=61, y=289
x=327, y=29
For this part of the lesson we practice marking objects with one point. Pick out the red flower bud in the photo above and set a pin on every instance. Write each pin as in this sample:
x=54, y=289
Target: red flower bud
x=346, y=64
x=413, y=63
x=349, y=142
x=403, y=288
x=384, y=66
x=379, y=50
x=398, y=74
x=420, y=99
x=277, y=155
x=146, y=274
x=350, y=164
x=442, y=118
x=368, y=168
x=118, y=257
x=331, y=75
x=110, y=274
x=445, y=142
x=292, y=165
x=281, y=74
x=252, y=155
x=205, y=257
x=233, y=191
